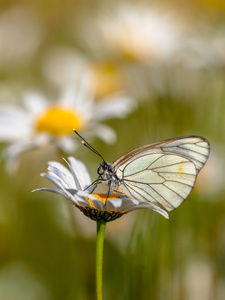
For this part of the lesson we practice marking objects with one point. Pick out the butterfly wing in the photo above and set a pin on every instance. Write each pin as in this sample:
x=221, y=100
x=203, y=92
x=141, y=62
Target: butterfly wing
x=163, y=173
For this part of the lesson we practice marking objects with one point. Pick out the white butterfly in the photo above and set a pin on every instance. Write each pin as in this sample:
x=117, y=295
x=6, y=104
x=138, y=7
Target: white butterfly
x=162, y=173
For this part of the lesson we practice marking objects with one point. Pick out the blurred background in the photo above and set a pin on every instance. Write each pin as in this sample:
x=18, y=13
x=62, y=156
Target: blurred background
x=168, y=58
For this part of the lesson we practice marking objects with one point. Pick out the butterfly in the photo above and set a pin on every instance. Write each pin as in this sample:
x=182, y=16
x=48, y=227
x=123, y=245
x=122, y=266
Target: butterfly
x=163, y=173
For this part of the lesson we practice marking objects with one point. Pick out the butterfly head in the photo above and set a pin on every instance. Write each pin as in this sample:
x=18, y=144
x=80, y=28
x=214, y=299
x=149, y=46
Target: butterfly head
x=107, y=174
x=106, y=171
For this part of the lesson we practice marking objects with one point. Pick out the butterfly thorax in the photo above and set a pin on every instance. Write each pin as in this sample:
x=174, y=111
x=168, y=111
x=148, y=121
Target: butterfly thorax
x=107, y=175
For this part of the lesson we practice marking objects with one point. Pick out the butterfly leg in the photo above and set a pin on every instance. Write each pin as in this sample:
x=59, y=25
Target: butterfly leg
x=94, y=184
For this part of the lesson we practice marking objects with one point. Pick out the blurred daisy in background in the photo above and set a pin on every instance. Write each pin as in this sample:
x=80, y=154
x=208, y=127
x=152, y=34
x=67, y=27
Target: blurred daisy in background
x=203, y=48
x=63, y=64
x=136, y=32
x=140, y=34
x=40, y=122
x=143, y=44
x=107, y=77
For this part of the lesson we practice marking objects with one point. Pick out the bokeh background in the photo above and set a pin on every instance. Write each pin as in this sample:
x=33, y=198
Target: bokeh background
x=169, y=57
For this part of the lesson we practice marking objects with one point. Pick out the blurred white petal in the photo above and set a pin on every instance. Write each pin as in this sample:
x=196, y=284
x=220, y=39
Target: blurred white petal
x=104, y=132
x=113, y=107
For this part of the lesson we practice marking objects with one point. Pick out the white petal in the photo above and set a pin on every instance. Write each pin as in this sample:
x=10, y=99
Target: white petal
x=81, y=197
x=55, y=180
x=153, y=207
x=13, y=152
x=67, y=143
x=17, y=148
x=114, y=204
x=35, y=102
x=115, y=107
x=78, y=97
x=63, y=174
x=98, y=204
x=81, y=172
x=60, y=192
x=128, y=204
x=14, y=123
x=104, y=132
x=75, y=178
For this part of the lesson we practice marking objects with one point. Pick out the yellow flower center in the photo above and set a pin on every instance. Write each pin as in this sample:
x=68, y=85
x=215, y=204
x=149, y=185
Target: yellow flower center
x=101, y=214
x=59, y=120
x=106, y=78
x=101, y=197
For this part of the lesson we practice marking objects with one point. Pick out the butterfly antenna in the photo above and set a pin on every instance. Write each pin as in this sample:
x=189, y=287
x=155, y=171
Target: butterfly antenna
x=85, y=143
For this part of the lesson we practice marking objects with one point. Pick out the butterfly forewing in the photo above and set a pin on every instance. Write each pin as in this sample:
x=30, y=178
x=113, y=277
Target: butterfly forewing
x=163, y=173
x=194, y=148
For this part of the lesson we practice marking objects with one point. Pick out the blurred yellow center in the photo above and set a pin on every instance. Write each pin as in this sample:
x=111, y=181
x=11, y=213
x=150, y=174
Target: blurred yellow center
x=102, y=197
x=106, y=78
x=59, y=120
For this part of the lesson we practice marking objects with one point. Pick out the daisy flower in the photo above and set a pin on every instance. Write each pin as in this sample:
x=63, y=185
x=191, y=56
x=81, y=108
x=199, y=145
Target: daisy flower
x=40, y=122
x=137, y=32
x=62, y=65
x=75, y=185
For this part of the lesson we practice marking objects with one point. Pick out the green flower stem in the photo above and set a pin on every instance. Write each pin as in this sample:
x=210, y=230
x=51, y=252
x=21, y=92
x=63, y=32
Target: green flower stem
x=99, y=257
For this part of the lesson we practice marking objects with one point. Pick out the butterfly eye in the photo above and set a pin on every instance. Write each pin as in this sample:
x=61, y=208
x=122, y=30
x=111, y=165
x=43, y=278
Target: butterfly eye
x=100, y=171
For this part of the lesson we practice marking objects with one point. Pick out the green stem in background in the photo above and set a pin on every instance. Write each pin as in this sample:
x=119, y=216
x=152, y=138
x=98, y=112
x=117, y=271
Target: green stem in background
x=99, y=257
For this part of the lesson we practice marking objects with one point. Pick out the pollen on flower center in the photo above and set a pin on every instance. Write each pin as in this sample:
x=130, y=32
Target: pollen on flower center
x=102, y=197
x=104, y=214
x=59, y=120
